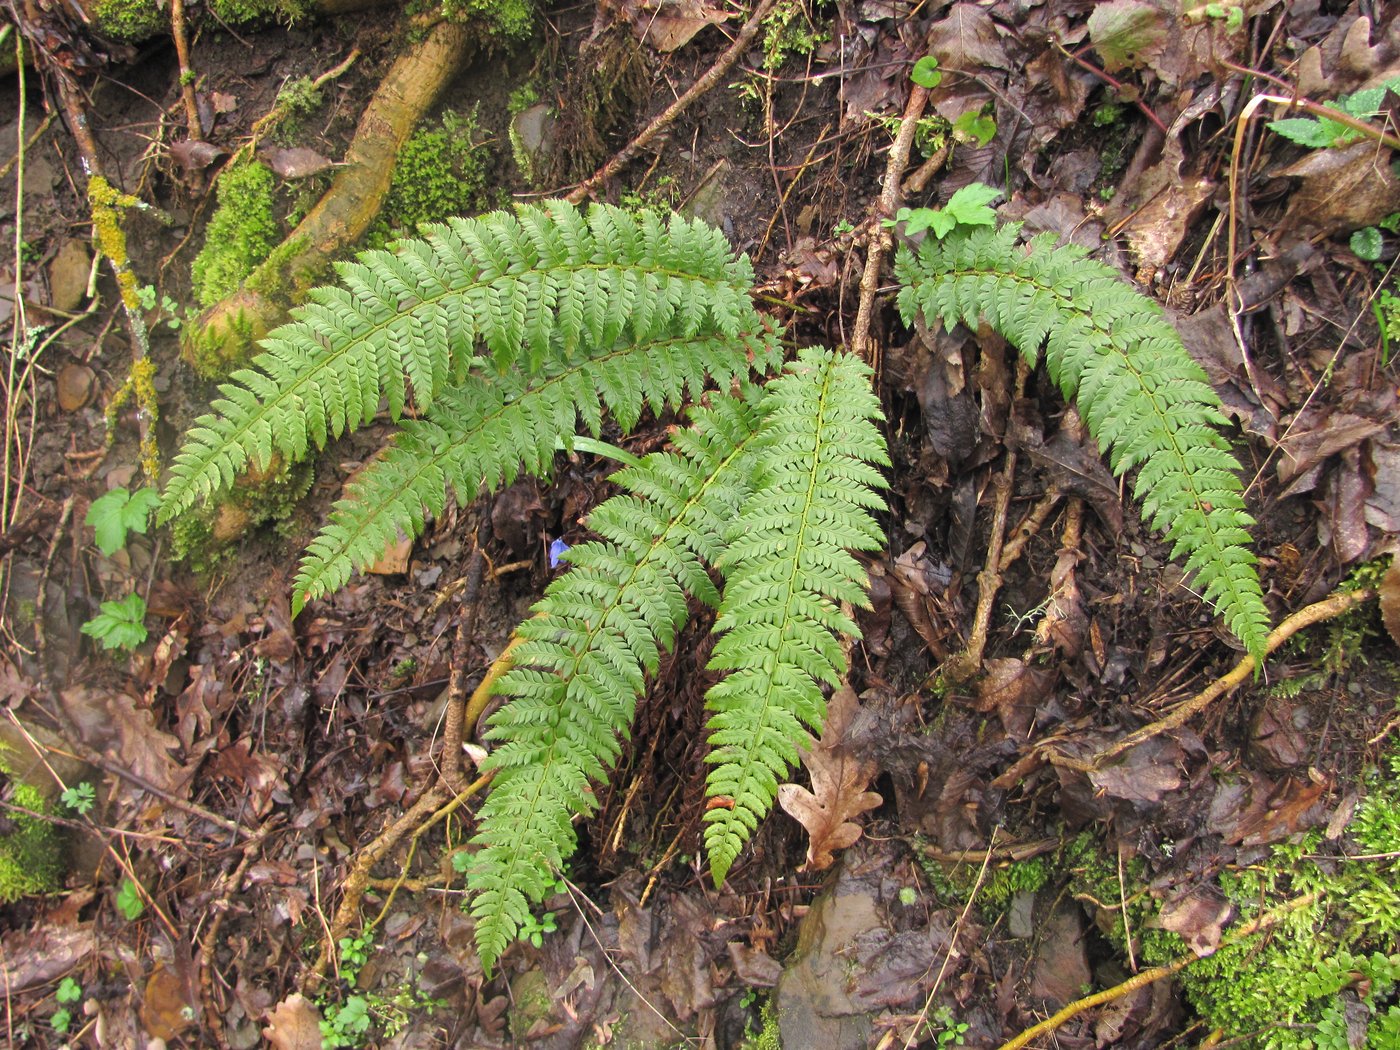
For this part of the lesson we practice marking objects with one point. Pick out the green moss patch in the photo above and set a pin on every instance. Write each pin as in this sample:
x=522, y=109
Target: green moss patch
x=242, y=232
x=31, y=852
x=441, y=172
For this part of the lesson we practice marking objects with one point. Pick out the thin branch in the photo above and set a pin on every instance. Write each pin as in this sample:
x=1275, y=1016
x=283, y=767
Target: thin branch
x=712, y=76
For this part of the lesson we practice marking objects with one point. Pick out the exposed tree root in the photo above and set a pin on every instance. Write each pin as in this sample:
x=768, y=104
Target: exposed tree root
x=225, y=335
x=1157, y=973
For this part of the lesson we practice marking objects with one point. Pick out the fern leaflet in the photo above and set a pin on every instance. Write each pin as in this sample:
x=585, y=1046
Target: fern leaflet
x=407, y=322
x=490, y=427
x=585, y=654
x=1140, y=393
x=787, y=568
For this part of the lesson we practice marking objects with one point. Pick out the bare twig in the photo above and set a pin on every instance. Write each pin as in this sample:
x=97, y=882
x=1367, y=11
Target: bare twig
x=1157, y=973
x=667, y=117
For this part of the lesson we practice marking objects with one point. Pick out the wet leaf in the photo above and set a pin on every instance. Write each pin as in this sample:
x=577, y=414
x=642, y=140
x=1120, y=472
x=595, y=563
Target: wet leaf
x=1199, y=916
x=298, y=162
x=166, y=1006
x=195, y=154
x=1127, y=32
x=838, y=792
x=967, y=38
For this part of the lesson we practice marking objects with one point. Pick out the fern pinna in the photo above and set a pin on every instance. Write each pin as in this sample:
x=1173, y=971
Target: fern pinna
x=1139, y=391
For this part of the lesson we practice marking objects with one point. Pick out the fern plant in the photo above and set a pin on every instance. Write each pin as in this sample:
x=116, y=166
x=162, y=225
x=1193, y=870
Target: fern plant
x=511, y=333
x=1140, y=393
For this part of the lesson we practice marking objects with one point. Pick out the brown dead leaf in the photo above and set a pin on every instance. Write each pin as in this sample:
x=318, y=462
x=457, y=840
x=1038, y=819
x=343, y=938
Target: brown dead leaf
x=298, y=162
x=1199, y=916
x=1390, y=599
x=668, y=25
x=166, y=1010
x=1258, y=811
x=1128, y=33
x=1342, y=190
x=967, y=38
x=1013, y=689
x=294, y=1024
x=839, y=781
x=257, y=775
x=195, y=154
x=112, y=723
x=31, y=957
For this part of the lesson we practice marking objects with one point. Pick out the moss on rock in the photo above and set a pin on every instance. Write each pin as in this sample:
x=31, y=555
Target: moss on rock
x=32, y=853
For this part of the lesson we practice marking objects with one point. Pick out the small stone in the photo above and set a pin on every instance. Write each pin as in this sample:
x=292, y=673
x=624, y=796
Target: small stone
x=68, y=276
x=76, y=385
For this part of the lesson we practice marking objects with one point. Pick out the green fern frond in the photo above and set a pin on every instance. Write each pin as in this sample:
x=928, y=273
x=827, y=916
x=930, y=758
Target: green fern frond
x=584, y=657
x=787, y=570
x=1138, y=390
x=404, y=323
x=492, y=426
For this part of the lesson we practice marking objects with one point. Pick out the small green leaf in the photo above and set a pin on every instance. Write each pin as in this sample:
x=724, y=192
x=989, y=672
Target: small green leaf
x=80, y=799
x=129, y=901
x=69, y=990
x=925, y=72
x=974, y=127
x=970, y=205
x=118, y=512
x=1367, y=243
x=119, y=624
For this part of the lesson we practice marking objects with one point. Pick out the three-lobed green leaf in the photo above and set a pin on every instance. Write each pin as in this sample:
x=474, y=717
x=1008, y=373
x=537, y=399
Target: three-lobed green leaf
x=118, y=512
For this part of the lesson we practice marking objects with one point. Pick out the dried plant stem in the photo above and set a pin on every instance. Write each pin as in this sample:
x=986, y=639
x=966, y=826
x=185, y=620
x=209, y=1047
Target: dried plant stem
x=1157, y=973
x=880, y=239
x=667, y=117
x=964, y=665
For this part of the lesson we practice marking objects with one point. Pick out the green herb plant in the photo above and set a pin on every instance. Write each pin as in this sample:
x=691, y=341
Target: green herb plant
x=119, y=624
x=116, y=514
x=1320, y=132
x=68, y=994
x=130, y=900
x=80, y=798
x=513, y=333
x=352, y=1020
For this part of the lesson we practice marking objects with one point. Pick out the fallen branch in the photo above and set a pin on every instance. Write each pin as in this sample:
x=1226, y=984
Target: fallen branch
x=1318, y=612
x=1157, y=973
x=667, y=117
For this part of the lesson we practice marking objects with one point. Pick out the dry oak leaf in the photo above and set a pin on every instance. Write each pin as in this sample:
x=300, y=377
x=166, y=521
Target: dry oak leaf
x=294, y=1024
x=838, y=792
x=1390, y=599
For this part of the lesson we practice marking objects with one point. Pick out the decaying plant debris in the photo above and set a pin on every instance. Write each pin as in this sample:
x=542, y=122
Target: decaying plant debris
x=1058, y=802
